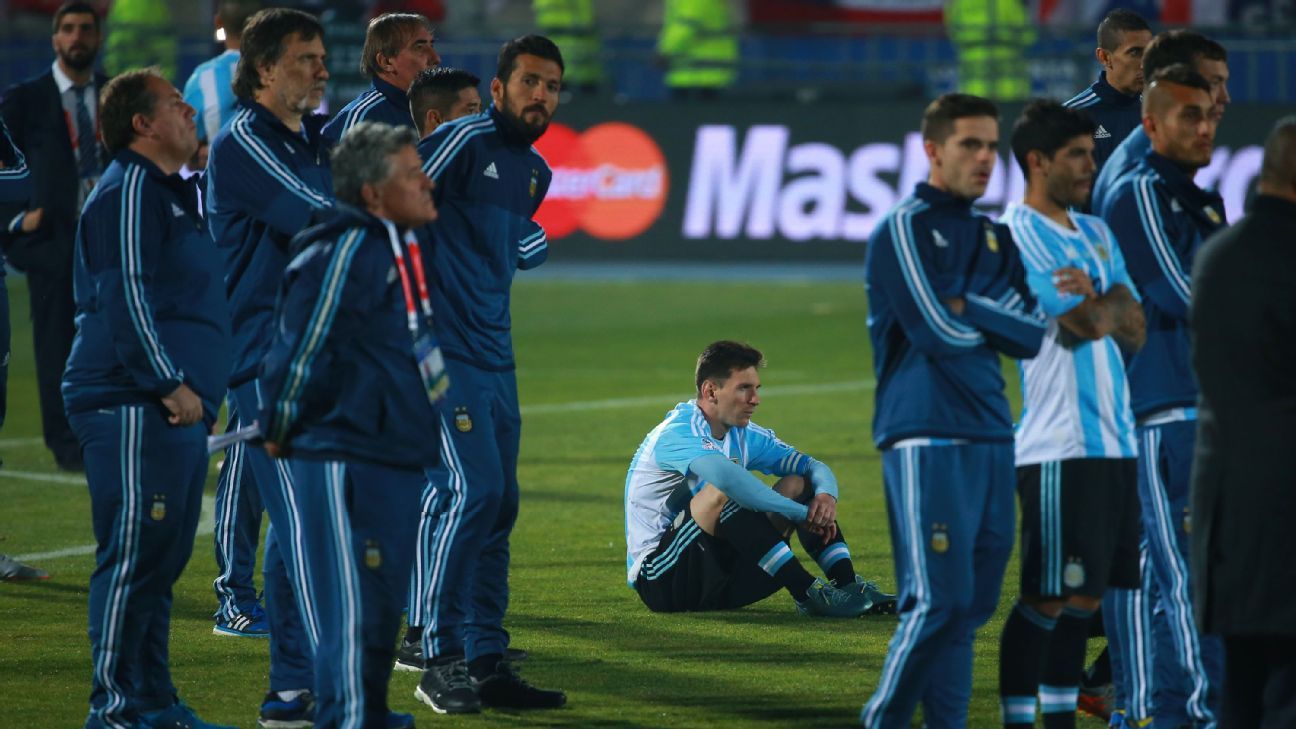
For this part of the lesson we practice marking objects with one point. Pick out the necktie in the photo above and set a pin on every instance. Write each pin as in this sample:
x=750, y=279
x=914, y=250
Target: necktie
x=87, y=145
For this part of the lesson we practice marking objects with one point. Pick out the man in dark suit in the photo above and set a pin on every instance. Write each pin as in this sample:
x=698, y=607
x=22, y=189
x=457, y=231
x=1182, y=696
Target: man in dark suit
x=1243, y=319
x=53, y=119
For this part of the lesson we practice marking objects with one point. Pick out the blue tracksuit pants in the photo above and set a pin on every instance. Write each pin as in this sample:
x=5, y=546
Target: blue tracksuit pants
x=1189, y=667
x=146, y=480
x=1131, y=640
x=358, y=527
x=952, y=510
x=237, y=530
x=291, y=661
x=468, y=515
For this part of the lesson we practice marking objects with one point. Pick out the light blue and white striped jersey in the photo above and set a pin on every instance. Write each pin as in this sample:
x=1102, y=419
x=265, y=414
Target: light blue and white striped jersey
x=659, y=485
x=210, y=92
x=1075, y=401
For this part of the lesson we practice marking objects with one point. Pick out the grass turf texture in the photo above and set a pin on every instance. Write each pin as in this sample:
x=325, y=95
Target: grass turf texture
x=599, y=365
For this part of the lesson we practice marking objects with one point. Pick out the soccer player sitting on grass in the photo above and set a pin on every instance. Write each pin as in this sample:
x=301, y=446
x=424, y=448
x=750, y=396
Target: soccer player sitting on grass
x=703, y=533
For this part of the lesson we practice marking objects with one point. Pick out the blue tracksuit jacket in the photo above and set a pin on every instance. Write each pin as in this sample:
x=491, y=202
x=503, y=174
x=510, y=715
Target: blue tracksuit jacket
x=489, y=183
x=265, y=182
x=381, y=102
x=937, y=372
x=340, y=378
x=1117, y=115
x=15, y=177
x=1161, y=218
x=151, y=310
x=1125, y=158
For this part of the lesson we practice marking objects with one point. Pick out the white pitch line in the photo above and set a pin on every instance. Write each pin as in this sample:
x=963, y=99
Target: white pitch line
x=47, y=477
x=206, y=526
x=645, y=400
x=206, y=522
x=21, y=441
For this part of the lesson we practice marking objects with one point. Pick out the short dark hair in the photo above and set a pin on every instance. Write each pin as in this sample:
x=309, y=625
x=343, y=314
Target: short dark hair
x=75, y=8
x=1180, y=74
x=1117, y=22
x=939, y=116
x=387, y=33
x=1046, y=126
x=725, y=357
x=1279, y=166
x=532, y=45
x=126, y=95
x=1179, y=46
x=437, y=88
x=263, y=42
x=234, y=15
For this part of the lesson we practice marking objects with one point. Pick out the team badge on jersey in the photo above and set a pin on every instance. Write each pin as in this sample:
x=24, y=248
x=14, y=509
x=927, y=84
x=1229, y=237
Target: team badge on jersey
x=992, y=240
x=1102, y=252
x=462, y=420
x=1073, y=575
x=373, y=555
x=940, y=543
x=534, y=182
x=158, y=511
x=1187, y=522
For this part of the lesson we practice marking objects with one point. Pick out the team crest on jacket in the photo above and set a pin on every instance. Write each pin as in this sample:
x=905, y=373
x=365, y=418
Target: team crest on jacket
x=940, y=543
x=372, y=555
x=1212, y=214
x=1073, y=575
x=158, y=511
x=534, y=174
x=1187, y=522
x=1102, y=253
x=992, y=241
x=462, y=420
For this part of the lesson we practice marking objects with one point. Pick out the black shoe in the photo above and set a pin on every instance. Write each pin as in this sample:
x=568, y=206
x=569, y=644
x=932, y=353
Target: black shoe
x=505, y=689
x=409, y=657
x=446, y=687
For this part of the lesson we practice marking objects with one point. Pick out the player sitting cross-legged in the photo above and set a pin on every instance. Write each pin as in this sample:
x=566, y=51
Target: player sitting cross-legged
x=703, y=533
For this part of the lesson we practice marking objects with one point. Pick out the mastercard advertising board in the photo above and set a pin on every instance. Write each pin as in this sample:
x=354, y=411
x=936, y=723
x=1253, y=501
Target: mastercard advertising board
x=748, y=182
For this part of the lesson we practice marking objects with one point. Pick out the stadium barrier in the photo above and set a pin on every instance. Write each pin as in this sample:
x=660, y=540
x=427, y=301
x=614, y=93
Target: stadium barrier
x=730, y=181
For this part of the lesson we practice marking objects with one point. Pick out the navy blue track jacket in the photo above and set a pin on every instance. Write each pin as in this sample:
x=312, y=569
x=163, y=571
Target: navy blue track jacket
x=1116, y=114
x=938, y=373
x=151, y=310
x=340, y=379
x=15, y=177
x=1161, y=217
x=489, y=183
x=265, y=183
x=381, y=102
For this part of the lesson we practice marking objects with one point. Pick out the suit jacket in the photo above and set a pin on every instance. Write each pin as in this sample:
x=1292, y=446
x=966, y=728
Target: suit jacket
x=1243, y=319
x=33, y=111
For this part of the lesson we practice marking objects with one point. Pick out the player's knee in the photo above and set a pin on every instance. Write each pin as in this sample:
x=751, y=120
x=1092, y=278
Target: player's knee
x=1083, y=603
x=705, y=507
x=793, y=487
x=1049, y=607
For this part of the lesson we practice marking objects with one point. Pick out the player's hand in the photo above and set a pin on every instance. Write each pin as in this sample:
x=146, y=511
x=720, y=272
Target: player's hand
x=956, y=305
x=1071, y=280
x=32, y=220
x=185, y=406
x=822, y=516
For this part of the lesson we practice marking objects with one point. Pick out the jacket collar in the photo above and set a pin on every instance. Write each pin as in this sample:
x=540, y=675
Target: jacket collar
x=506, y=128
x=393, y=93
x=312, y=123
x=1107, y=92
x=186, y=190
x=1274, y=205
x=940, y=198
x=1204, y=204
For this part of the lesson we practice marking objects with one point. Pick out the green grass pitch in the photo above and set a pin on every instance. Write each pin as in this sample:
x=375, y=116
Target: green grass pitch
x=599, y=365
